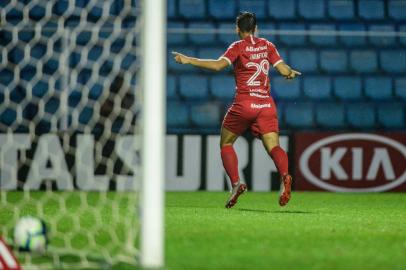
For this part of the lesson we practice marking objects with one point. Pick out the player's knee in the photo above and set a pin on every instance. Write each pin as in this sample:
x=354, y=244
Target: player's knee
x=226, y=140
x=225, y=143
x=271, y=147
x=270, y=141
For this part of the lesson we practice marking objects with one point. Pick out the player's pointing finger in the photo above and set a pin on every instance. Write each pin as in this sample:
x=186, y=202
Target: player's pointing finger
x=176, y=56
x=296, y=72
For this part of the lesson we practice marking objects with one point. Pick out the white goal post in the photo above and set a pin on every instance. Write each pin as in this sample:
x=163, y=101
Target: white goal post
x=153, y=127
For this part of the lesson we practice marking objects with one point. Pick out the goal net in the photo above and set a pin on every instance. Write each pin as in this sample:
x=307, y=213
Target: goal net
x=69, y=118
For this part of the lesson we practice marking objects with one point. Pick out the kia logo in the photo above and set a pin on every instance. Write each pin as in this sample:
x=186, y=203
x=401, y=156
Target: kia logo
x=355, y=162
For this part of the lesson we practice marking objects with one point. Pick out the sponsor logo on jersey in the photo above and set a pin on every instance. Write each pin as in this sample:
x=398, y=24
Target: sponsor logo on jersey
x=261, y=91
x=258, y=95
x=260, y=106
x=355, y=162
x=255, y=49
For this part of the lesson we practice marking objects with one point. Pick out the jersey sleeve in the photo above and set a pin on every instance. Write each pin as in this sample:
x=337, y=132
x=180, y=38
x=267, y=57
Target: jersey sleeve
x=274, y=57
x=231, y=54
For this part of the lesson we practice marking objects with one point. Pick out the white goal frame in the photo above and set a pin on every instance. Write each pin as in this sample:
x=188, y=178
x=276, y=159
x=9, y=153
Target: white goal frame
x=153, y=74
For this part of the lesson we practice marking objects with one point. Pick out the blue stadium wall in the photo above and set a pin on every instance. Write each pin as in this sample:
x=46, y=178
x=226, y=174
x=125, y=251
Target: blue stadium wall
x=348, y=82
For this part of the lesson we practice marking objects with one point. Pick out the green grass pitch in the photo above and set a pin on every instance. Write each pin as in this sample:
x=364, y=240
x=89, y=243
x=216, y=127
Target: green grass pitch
x=315, y=231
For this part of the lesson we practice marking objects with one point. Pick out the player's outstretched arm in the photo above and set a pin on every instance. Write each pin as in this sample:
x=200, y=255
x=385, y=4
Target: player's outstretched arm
x=215, y=65
x=286, y=71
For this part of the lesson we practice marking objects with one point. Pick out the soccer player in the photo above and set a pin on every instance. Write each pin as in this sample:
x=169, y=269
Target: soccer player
x=253, y=107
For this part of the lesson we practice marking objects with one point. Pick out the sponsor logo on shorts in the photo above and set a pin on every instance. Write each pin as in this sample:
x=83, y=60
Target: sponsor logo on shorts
x=260, y=106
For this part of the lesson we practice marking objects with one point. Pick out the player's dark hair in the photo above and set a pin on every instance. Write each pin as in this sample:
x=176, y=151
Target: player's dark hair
x=246, y=21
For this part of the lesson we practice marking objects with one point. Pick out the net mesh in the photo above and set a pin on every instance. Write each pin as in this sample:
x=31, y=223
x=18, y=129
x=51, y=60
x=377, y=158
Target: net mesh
x=68, y=117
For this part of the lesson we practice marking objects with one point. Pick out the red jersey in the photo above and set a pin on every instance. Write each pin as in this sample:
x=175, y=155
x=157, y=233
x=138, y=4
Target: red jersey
x=252, y=58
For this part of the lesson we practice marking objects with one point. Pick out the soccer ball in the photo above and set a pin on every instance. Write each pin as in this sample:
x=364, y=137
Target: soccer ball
x=30, y=234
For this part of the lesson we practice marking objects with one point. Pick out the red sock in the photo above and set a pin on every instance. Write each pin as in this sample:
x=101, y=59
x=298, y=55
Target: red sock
x=230, y=163
x=280, y=158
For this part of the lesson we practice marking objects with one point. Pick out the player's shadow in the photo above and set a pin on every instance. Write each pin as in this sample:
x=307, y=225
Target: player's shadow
x=277, y=211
